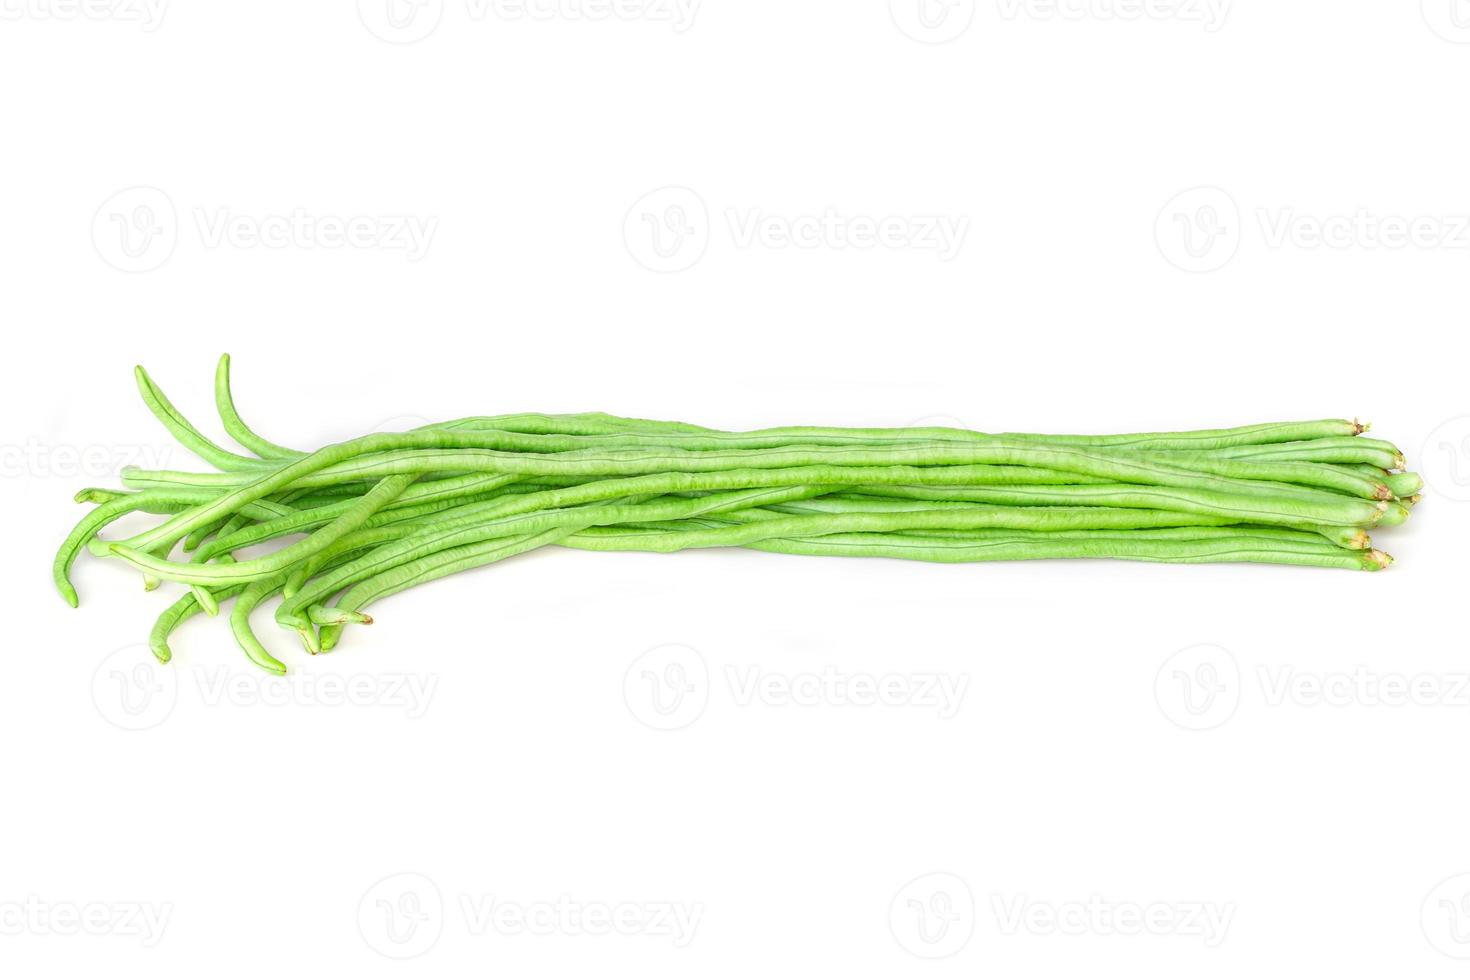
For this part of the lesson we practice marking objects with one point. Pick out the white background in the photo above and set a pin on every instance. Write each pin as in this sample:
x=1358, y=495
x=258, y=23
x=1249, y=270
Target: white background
x=1093, y=289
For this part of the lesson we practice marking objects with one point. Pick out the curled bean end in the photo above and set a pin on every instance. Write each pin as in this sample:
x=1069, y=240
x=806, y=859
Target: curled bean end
x=206, y=600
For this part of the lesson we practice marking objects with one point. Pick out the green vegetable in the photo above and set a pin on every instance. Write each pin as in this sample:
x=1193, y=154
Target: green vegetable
x=389, y=511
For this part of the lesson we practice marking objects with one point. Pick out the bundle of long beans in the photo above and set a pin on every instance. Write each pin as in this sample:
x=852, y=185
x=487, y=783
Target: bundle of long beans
x=390, y=511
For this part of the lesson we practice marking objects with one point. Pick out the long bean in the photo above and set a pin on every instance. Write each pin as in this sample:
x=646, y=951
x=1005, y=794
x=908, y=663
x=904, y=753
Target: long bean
x=182, y=430
x=350, y=523
x=224, y=401
x=409, y=458
x=1193, y=551
x=678, y=433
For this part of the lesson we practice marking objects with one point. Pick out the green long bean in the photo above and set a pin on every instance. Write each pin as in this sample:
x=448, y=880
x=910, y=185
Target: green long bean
x=224, y=401
x=346, y=525
x=1192, y=551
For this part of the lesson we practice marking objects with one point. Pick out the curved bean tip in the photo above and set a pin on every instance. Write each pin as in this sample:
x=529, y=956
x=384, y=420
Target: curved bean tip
x=258, y=654
x=69, y=593
x=291, y=620
x=206, y=600
x=329, y=637
x=162, y=652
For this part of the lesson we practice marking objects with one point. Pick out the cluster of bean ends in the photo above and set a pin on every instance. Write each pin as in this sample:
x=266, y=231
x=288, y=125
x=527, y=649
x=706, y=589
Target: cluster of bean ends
x=335, y=530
